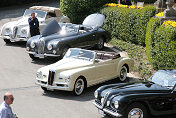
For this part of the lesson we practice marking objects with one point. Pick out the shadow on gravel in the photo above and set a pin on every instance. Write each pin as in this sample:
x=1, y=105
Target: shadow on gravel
x=21, y=44
x=86, y=96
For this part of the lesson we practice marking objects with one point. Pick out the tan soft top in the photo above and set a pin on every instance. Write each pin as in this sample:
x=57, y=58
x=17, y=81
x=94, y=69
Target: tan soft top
x=47, y=9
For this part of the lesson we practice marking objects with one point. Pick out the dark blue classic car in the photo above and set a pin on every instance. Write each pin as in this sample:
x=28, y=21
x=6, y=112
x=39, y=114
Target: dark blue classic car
x=136, y=100
x=56, y=38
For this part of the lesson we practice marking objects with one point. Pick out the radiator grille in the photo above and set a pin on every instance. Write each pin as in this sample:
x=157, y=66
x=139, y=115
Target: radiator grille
x=51, y=77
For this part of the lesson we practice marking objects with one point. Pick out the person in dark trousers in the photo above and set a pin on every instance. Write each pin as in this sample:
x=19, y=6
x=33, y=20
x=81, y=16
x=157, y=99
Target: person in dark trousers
x=125, y=2
x=33, y=25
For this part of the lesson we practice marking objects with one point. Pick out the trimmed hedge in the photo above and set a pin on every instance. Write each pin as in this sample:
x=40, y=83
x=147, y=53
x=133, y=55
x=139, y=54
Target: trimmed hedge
x=77, y=10
x=128, y=24
x=161, y=45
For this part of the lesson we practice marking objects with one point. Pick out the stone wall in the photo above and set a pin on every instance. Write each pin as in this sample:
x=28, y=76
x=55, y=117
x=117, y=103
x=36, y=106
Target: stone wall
x=17, y=2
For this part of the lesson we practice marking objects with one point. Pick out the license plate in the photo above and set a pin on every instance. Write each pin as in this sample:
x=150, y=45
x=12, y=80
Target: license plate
x=101, y=112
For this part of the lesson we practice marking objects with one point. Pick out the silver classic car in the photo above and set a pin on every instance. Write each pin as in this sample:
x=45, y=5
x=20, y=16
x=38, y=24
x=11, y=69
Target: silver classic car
x=83, y=68
x=19, y=30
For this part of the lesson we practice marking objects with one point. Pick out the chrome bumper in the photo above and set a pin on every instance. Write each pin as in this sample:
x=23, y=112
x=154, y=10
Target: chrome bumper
x=42, y=55
x=107, y=110
x=49, y=87
x=15, y=39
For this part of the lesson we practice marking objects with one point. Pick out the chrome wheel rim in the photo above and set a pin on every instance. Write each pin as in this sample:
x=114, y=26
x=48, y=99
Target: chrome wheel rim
x=100, y=44
x=136, y=113
x=123, y=73
x=79, y=86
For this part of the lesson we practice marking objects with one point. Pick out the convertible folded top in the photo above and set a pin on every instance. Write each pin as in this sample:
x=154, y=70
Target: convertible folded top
x=103, y=55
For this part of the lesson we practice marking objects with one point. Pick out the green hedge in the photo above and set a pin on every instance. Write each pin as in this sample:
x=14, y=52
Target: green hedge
x=161, y=45
x=128, y=24
x=77, y=10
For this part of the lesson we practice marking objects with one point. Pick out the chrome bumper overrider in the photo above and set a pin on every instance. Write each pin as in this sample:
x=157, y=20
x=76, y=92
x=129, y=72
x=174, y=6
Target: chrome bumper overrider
x=49, y=87
x=108, y=111
x=15, y=39
x=42, y=55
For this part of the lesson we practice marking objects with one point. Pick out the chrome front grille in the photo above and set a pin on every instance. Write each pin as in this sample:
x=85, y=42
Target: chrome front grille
x=15, y=29
x=41, y=46
x=51, y=77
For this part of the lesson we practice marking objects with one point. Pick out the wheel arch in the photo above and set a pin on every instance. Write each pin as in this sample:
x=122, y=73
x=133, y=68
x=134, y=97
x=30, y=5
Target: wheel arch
x=84, y=78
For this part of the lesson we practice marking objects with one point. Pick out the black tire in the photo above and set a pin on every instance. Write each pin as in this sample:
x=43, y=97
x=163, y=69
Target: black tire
x=79, y=86
x=123, y=73
x=64, y=51
x=7, y=41
x=44, y=89
x=136, y=109
x=100, y=44
x=32, y=57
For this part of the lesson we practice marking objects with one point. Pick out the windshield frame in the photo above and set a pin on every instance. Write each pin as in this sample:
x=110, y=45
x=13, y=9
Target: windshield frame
x=35, y=11
x=76, y=57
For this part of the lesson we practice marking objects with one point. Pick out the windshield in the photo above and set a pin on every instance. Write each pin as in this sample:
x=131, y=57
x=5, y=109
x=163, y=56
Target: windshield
x=80, y=54
x=166, y=78
x=39, y=14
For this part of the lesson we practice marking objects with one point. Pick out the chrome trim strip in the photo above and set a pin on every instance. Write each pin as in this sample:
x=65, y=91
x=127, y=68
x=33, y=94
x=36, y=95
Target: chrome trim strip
x=49, y=55
x=107, y=110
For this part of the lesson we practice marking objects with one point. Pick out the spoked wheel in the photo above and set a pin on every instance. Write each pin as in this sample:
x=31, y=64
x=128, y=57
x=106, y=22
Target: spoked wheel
x=32, y=57
x=79, y=86
x=100, y=44
x=123, y=74
x=7, y=41
x=136, y=110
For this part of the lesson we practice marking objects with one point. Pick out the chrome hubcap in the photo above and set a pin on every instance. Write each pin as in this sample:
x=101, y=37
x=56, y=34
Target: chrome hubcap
x=136, y=113
x=123, y=74
x=79, y=86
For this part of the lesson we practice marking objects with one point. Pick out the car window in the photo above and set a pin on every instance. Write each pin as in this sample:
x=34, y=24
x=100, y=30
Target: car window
x=50, y=15
x=38, y=13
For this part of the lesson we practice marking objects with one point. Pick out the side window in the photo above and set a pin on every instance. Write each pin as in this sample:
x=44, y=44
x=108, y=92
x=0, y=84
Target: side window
x=49, y=15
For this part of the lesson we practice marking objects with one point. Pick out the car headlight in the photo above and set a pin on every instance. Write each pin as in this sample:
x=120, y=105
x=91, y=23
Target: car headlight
x=7, y=30
x=32, y=45
x=39, y=75
x=96, y=94
x=49, y=47
x=116, y=104
x=24, y=31
x=67, y=79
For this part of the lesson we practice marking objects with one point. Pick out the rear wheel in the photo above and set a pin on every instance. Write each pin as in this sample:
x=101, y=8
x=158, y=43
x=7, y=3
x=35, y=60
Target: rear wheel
x=7, y=41
x=32, y=57
x=123, y=73
x=79, y=86
x=100, y=44
x=136, y=110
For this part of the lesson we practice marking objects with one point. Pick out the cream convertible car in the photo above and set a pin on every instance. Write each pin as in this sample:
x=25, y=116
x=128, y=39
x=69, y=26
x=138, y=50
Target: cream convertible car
x=83, y=68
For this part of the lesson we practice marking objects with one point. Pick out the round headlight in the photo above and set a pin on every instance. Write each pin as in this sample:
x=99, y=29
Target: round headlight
x=116, y=104
x=39, y=75
x=7, y=30
x=24, y=31
x=32, y=45
x=96, y=94
x=49, y=47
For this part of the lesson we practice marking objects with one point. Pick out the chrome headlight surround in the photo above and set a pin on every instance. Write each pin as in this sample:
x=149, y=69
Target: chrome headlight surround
x=39, y=75
x=32, y=45
x=96, y=94
x=116, y=104
x=49, y=47
x=7, y=30
x=24, y=31
x=67, y=79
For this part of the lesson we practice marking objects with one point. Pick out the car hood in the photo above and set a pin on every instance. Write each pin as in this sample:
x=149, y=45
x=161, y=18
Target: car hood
x=94, y=20
x=135, y=88
x=65, y=64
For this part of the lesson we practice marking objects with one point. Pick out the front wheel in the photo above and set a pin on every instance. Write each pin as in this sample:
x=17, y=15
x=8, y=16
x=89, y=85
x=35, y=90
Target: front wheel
x=123, y=73
x=32, y=57
x=79, y=86
x=7, y=41
x=100, y=44
x=136, y=110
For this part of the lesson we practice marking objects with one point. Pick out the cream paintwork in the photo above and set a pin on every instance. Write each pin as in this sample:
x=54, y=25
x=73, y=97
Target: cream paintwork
x=94, y=72
x=22, y=24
